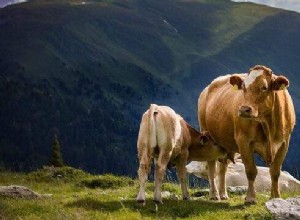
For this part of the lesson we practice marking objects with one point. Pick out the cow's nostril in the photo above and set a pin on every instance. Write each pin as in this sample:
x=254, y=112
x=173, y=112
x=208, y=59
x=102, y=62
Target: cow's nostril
x=245, y=109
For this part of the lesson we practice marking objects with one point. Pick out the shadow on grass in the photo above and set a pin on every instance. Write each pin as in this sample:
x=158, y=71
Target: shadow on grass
x=170, y=208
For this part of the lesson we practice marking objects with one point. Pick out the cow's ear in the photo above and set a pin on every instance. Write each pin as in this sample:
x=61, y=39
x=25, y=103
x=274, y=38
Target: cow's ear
x=236, y=82
x=280, y=83
x=204, y=137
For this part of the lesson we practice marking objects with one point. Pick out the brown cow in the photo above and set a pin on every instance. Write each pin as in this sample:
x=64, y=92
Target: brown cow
x=256, y=118
x=165, y=136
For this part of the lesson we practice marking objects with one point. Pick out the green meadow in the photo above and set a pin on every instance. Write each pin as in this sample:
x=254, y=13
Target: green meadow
x=79, y=195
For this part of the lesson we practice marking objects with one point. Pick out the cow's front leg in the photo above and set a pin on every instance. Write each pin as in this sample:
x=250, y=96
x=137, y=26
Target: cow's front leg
x=251, y=172
x=275, y=169
x=222, y=180
x=213, y=191
x=181, y=174
x=160, y=170
x=247, y=155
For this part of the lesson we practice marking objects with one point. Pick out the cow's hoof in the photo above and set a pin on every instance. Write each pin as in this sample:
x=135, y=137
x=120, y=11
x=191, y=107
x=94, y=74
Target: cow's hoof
x=158, y=201
x=250, y=201
x=141, y=201
x=215, y=198
x=224, y=197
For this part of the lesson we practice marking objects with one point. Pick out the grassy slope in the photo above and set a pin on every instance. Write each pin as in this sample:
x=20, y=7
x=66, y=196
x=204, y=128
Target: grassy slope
x=70, y=200
x=88, y=72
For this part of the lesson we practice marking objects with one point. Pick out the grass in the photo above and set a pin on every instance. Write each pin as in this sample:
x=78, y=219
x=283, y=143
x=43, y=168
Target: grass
x=74, y=200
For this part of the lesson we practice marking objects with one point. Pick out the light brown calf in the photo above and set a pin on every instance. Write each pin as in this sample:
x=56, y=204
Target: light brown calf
x=165, y=136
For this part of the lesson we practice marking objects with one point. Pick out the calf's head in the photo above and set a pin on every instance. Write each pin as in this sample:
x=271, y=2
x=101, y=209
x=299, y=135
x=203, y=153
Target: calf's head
x=209, y=149
x=259, y=88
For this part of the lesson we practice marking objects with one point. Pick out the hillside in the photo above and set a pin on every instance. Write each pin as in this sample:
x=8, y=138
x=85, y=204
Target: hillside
x=88, y=70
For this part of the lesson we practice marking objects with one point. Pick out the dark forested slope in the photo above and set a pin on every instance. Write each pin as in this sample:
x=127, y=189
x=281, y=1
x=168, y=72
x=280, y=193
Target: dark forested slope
x=88, y=70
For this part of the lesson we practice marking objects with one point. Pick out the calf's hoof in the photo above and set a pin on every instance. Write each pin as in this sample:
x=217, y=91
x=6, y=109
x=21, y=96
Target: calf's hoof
x=141, y=201
x=186, y=198
x=250, y=201
x=158, y=201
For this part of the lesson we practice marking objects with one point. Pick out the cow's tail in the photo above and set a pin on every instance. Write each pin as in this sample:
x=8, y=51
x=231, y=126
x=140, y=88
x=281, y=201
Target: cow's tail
x=152, y=137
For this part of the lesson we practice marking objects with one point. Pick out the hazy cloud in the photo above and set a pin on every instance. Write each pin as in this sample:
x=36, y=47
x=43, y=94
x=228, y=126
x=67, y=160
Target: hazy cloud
x=4, y=3
x=293, y=5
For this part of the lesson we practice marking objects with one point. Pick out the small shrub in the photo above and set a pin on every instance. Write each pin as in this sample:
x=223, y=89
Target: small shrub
x=56, y=157
x=107, y=181
x=65, y=174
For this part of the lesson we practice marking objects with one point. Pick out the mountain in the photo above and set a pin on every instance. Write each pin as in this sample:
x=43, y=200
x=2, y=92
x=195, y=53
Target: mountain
x=87, y=70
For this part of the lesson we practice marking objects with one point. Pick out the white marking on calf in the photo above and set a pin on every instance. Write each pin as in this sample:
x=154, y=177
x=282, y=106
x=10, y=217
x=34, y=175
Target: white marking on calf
x=252, y=77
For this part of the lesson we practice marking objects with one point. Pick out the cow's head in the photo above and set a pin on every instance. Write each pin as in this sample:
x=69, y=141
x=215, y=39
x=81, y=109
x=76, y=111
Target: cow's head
x=259, y=87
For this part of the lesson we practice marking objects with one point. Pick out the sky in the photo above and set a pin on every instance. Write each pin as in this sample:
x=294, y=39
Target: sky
x=293, y=5
x=4, y=3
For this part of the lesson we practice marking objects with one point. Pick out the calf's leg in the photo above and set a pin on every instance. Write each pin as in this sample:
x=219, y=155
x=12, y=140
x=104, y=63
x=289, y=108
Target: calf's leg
x=143, y=172
x=160, y=170
x=181, y=174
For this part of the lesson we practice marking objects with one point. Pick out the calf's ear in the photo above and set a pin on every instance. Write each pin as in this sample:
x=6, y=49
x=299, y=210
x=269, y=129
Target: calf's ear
x=236, y=81
x=204, y=137
x=280, y=83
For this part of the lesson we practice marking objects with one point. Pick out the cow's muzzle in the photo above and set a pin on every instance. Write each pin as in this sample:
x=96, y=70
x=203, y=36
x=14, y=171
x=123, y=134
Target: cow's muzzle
x=245, y=111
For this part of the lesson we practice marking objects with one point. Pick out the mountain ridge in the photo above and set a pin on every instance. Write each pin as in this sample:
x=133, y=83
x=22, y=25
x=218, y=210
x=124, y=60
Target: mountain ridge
x=88, y=71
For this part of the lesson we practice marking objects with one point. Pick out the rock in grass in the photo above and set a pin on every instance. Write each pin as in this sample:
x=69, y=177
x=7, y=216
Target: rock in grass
x=284, y=209
x=169, y=195
x=239, y=190
x=20, y=192
x=201, y=193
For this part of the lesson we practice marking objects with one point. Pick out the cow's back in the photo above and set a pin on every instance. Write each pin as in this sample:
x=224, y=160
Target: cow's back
x=217, y=107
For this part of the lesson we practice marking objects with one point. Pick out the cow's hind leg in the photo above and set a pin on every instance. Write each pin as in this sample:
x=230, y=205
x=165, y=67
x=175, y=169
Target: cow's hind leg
x=275, y=169
x=160, y=170
x=181, y=174
x=222, y=180
x=143, y=172
x=213, y=191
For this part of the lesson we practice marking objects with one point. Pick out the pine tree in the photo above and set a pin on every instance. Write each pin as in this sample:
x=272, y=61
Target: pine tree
x=56, y=158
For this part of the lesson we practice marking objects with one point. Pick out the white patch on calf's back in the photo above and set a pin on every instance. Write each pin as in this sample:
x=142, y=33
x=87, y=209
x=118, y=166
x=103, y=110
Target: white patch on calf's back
x=168, y=127
x=252, y=77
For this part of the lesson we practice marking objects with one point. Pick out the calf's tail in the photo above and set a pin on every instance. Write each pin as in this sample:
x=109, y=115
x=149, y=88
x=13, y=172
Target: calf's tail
x=152, y=137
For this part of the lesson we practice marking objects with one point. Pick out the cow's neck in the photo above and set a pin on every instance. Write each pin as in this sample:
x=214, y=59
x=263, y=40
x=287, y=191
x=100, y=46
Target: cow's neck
x=273, y=129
